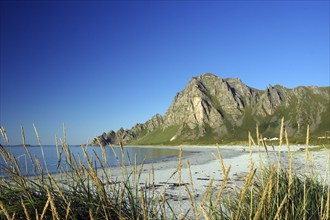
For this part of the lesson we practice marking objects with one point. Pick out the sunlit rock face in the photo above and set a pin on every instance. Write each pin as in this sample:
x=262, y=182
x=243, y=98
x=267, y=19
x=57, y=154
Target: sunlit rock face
x=213, y=107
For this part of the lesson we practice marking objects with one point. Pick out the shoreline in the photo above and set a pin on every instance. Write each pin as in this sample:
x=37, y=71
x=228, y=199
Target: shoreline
x=162, y=179
x=205, y=167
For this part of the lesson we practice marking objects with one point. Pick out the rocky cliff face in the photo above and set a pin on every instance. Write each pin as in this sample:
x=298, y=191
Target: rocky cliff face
x=211, y=108
x=129, y=135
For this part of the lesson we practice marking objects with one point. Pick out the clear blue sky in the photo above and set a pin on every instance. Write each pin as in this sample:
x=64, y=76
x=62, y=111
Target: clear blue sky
x=97, y=66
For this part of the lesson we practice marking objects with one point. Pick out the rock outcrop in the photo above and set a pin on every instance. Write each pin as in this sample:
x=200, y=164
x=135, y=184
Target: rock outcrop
x=211, y=108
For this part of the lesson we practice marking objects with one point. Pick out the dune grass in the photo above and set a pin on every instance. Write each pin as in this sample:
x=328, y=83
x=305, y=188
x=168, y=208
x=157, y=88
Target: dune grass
x=279, y=195
x=82, y=193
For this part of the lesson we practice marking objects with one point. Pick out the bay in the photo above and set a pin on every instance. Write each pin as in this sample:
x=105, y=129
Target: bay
x=55, y=159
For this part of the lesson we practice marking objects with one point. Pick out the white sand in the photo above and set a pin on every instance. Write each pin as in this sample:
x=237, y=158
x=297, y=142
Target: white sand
x=205, y=166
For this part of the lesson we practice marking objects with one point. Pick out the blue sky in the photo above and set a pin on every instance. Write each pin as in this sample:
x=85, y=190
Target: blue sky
x=101, y=65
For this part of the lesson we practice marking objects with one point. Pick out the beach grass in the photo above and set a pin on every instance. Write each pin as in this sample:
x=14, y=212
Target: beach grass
x=268, y=192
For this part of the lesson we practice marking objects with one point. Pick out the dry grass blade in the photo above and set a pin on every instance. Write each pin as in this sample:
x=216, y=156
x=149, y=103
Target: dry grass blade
x=223, y=184
x=247, y=183
x=27, y=215
x=45, y=209
x=179, y=176
x=96, y=181
x=290, y=177
x=42, y=150
x=106, y=213
x=135, y=169
x=307, y=143
x=37, y=134
x=37, y=214
x=16, y=165
x=270, y=190
x=91, y=214
x=4, y=154
x=38, y=164
x=221, y=160
x=257, y=133
x=250, y=147
x=144, y=210
x=153, y=180
x=52, y=205
x=305, y=200
x=92, y=173
x=251, y=140
x=265, y=146
x=23, y=136
x=26, y=149
x=190, y=177
x=287, y=141
x=281, y=131
x=141, y=169
x=251, y=202
x=104, y=154
x=4, y=210
x=180, y=166
x=99, y=141
x=68, y=210
x=58, y=153
x=207, y=192
x=277, y=215
x=264, y=194
x=58, y=189
x=4, y=135
x=114, y=152
x=192, y=201
x=123, y=162
x=205, y=214
x=163, y=197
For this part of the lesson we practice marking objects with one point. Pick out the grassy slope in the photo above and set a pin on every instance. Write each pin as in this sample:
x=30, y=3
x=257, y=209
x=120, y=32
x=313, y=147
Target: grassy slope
x=157, y=137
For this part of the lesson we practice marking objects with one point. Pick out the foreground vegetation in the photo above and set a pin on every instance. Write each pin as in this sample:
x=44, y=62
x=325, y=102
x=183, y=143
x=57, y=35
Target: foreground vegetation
x=273, y=193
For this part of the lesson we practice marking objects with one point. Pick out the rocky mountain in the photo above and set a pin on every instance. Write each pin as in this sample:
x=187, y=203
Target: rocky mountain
x=210, y=109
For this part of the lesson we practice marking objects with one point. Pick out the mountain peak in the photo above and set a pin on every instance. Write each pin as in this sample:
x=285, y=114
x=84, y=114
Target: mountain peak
x=210, y=109
x=207, y=75
x=203, y=78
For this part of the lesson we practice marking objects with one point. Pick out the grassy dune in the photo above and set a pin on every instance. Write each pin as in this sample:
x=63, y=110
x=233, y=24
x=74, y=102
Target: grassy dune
x=272, y=193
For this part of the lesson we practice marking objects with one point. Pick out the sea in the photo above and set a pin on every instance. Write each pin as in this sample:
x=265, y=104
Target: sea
x=54, y=159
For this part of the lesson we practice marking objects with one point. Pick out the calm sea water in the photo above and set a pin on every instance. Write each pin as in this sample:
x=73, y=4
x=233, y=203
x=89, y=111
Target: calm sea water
x=51, y=155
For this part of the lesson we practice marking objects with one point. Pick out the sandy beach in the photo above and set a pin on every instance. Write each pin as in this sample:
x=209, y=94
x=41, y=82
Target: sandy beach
x=201, y=175
x=205, y=167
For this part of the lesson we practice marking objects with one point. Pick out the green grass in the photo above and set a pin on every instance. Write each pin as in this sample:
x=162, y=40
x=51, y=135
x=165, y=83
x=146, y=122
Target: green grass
x=207, y=138
x=157, y=137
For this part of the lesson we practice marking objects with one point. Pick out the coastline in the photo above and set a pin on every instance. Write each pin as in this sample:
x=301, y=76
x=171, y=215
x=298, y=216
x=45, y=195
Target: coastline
x=161, y=180
x=206, y=158
x=162, y=176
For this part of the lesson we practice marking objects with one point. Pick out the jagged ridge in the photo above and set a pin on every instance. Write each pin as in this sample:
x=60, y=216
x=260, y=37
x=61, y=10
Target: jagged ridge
x=211, y=108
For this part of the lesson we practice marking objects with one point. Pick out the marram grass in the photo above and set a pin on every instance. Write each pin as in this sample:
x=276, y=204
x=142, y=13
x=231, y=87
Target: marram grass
x=283, y=202
x=267, y=193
